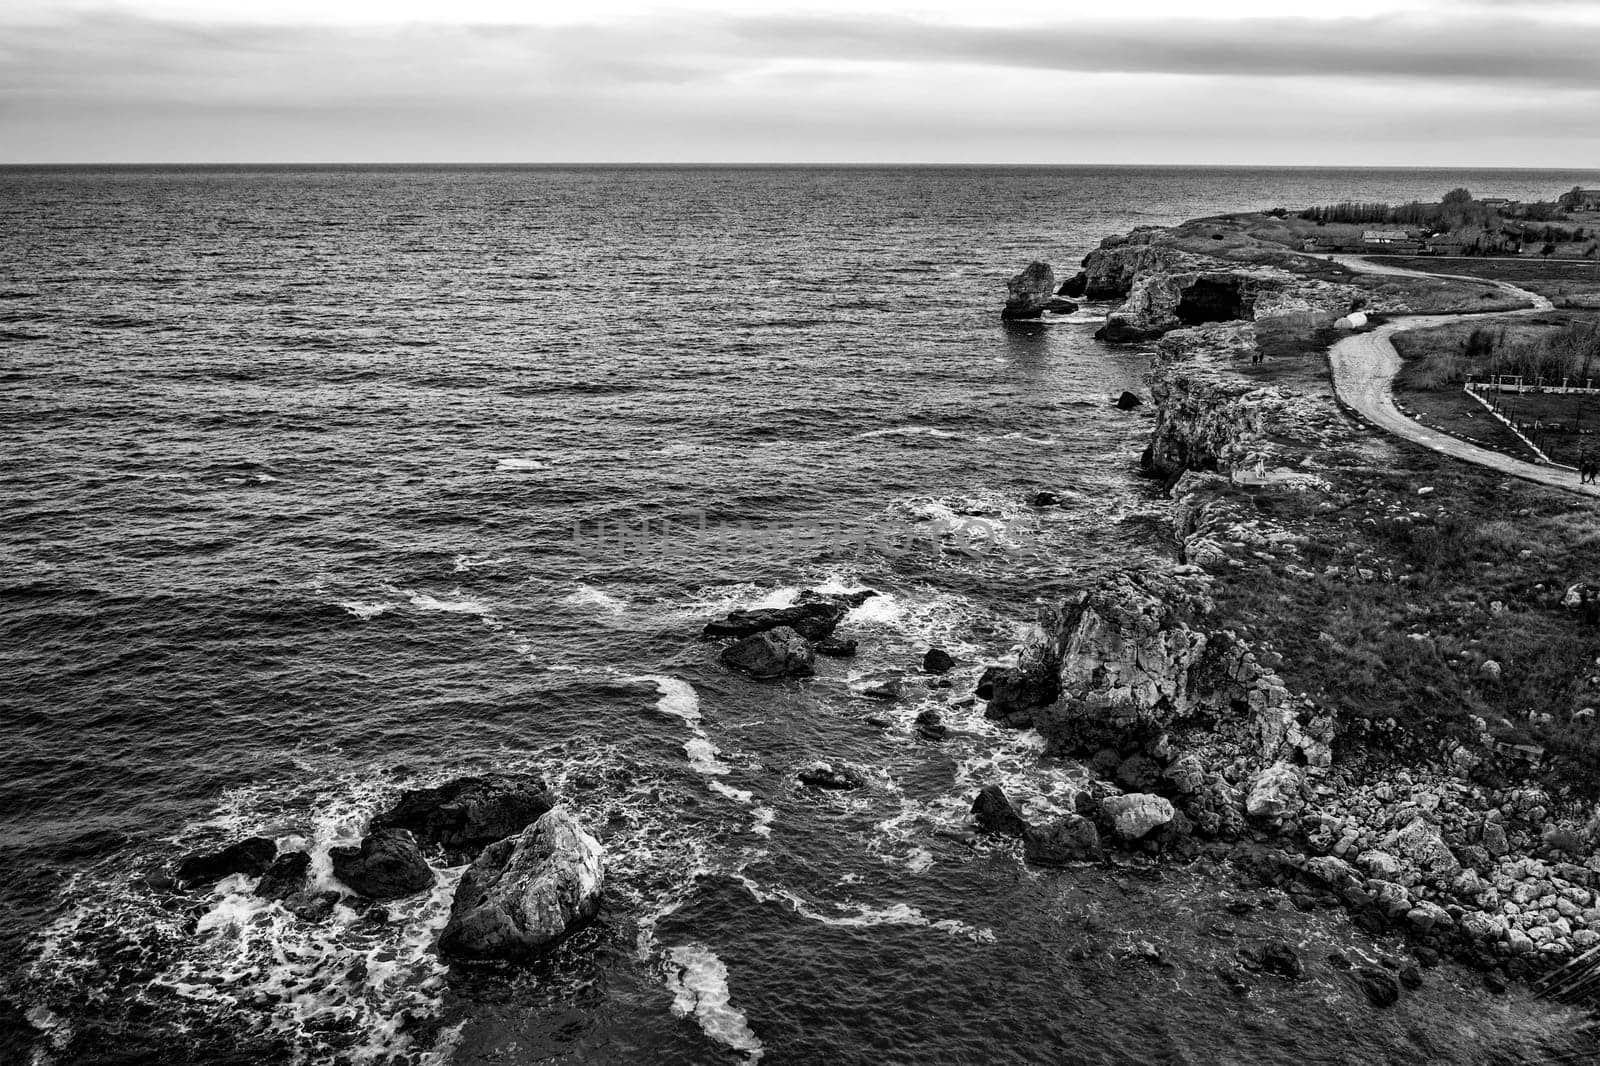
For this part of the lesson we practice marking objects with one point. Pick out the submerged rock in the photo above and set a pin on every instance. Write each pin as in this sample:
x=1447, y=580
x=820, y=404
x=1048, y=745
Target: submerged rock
x=930, y=725
x=836, y=647
x=526, y=894
x=250, y=857
x=824, y=776
x=993, y=812
x=886, y=689
x=1379, y=986
x=1030, y=292
x=387, y=865
x=1137, y=814
x=1128, y=401
x=938, y=661
x=467, y=814
x=774, y=653
x=1281, y=959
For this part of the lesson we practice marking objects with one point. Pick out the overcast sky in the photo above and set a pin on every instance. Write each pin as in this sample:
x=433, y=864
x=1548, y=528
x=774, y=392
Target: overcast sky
x=1346, y=82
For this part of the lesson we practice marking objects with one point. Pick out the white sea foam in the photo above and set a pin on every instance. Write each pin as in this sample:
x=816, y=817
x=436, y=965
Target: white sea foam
x=367, y=611
x=466, y=563
x=425, y=602
x=907, y=431
x=587, y=596
x=698, y=980
x=513, y=464
x=862, y=915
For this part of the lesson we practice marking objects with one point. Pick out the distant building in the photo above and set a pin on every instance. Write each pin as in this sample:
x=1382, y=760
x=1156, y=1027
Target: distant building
x=1386, y=236
x=1497, y=201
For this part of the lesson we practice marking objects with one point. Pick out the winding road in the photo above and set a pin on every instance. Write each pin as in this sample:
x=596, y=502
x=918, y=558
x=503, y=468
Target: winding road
x=1364, y=366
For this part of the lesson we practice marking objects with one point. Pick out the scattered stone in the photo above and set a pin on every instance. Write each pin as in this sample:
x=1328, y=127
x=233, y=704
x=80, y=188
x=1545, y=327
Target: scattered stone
x=938, y=661
x=387, y=865
x=1044, y=499
x=1410, y=976
x=1128, y=401
x=930, y=726
x=250, y=857
x=1275, y=795
x=824, y=776
x=774, y=653
x=526, y=894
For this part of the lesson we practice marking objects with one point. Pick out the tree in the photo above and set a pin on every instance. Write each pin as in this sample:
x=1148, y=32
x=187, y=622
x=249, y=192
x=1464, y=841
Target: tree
x=1458, y=195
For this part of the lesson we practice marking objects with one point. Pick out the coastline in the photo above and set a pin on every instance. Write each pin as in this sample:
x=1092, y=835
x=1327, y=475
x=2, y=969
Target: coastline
x=1197, y=709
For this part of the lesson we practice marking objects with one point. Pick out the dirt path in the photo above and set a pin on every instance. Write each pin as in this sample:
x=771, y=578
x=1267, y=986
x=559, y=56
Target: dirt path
x=1364, y=366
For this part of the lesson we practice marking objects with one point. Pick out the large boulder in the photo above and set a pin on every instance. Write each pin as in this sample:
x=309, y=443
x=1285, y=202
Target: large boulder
x=774, y=653
x=1110, y=270
x=387, y=865
x=1420, y=844
x=468, y=814
x=993, y=812
x=1275, y=794
x=250, y=857
x=1072, y=838
x=829, y=778
x=524, y=895
x=1030, y=292
x=1137, y=814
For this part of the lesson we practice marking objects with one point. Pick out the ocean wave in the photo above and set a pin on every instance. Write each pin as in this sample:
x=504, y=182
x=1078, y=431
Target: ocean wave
x=588, y=596
x=367, y=611
x=512, y=465
x=863, y=915
x=424, y=602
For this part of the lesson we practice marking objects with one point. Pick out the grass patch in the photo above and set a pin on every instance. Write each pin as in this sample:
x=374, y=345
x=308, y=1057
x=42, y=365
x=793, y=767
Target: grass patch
x=1559, y=281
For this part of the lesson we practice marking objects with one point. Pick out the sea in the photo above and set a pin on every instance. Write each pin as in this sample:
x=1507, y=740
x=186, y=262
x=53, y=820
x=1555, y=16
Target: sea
x=319, y=483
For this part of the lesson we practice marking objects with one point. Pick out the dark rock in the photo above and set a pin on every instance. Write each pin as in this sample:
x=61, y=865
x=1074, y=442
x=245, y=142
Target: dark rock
x=823, y=776
x=993, y=812
x=524, y=895
x=1044, y=498
x=1072, y=838
x=881, y=721
x=887, y=689
x=1379, y=986
x=1128, y=401
x=387, y=865
x=774, y=653
x=285, y=877
x=1427, y=956
x=938, y=661
x=836, y=647
x=468, y=814
x=1138, y=773
x=814, y=615
x=1410, y=976
x=1074, y=286
x=930, y=726
x=1494, y=983
x=1029, y=292
x=1058, y=306
x=1338, y=960
x=250, y=856
x=1013, y=693
x=1280, y=958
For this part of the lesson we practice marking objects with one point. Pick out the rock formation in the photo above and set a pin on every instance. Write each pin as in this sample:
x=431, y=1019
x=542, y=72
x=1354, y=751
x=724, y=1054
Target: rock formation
x=465, y=815
x=1030, y=292
x=772, y=653
x=250, y=856
x=524, y=895
x=387, y=865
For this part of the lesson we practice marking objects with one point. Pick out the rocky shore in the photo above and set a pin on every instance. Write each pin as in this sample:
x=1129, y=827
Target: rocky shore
x=1200, y=740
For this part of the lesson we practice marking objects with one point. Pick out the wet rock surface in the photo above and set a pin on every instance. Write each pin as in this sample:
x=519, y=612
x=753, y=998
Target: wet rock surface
x=465, y=815
x=250, y=857
x=387, y=864
x=771, y=654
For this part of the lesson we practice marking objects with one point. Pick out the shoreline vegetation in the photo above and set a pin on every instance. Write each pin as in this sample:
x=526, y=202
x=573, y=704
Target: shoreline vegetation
x=1369, y=673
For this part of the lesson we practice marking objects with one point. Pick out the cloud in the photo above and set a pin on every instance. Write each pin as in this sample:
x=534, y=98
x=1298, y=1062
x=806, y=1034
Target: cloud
x=765, y=88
